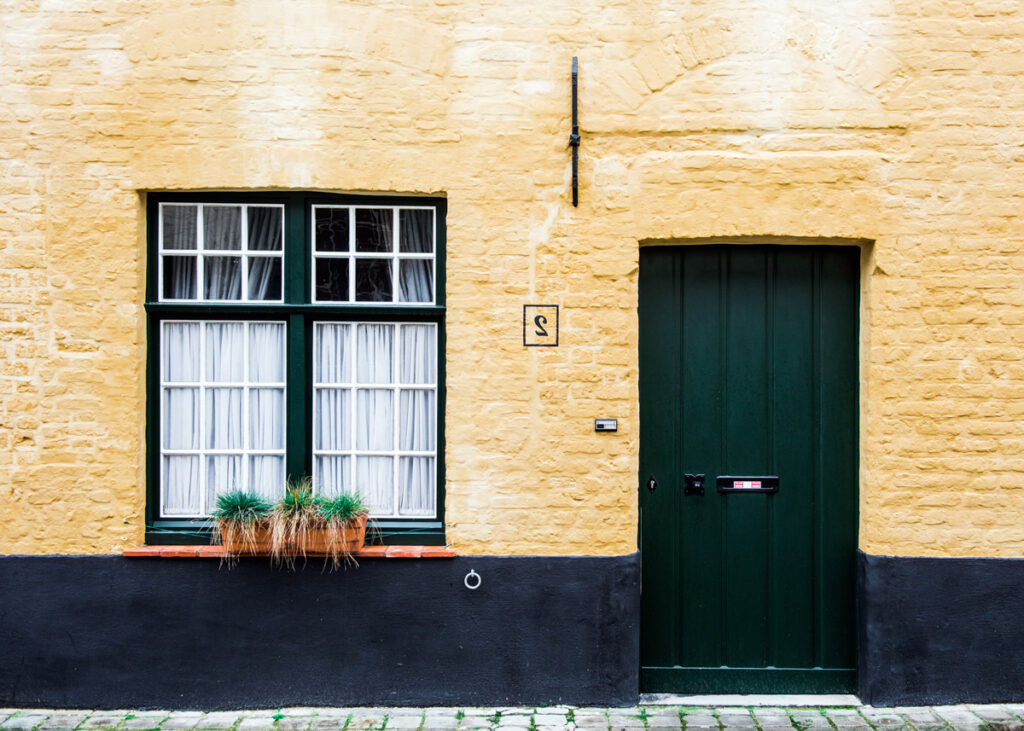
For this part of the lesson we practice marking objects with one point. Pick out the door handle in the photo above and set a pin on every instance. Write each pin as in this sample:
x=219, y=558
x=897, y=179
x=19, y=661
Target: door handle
x=694, y=484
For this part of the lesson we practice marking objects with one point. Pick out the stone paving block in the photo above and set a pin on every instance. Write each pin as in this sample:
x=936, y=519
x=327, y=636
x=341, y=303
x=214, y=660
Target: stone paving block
x=330, y=723
x=255, y=723
x=991, y=712
x=884, y=718
x=298, y=711
x=591, y=720
x=735, y=717
x=180, y=721
x=219, y=720
x=64, y=720
x=23, y=721
x=809, y=719
x=295, y=723
x=670, y=714
x=846, y=718
x=6, y=713
x=405, y=721
x=959, y=718
x=771, y=716
x=144, y=719
x=699, y=718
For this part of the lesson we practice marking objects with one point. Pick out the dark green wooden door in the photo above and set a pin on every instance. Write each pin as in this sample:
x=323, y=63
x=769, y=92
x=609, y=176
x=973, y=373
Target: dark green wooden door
x=748, y=367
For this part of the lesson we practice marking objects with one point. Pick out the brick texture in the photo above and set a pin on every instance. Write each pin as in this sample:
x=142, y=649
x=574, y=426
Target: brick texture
x=898, y=124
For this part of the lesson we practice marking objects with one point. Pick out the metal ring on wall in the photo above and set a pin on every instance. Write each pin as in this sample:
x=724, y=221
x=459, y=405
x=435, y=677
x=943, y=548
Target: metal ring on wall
x=472, y=580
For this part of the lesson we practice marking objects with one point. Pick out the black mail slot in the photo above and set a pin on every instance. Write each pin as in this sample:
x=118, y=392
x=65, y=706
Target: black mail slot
x=729, y=483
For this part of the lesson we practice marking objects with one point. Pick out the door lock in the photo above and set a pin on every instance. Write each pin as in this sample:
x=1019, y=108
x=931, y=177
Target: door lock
x=694, y=484
x=652, y=484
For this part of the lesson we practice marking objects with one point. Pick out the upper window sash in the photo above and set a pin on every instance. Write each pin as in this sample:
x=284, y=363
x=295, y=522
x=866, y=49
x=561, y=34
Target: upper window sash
x=373, y=254
x=221, y=252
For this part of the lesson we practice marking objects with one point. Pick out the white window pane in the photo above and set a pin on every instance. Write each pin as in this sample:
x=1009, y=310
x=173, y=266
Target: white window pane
x=265, y=228
x=179, y=226
x=180, y=277
x=181, y=418
x=223, y=474
x=266, y=352
x=181, y=486
x=416, y=280
x=222, y=278
x=266, y=418
x=225, y=351
x=416, y=428
x=181, y=352
x=374, y=480
x=419, y=354
x=374, y=346
x=266, y=476
x=332, y=419
x=222, y=227
x=265, y=278
x=332, y=362
x=416, y=486
x=224, y=418
x=332, y=475
x=374, y=425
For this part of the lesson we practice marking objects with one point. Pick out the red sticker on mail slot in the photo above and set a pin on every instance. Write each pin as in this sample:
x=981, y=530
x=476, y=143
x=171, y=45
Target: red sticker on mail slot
x=747, y=484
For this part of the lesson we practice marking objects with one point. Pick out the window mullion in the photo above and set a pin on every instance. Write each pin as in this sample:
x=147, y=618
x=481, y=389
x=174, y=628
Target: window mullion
x=297, y=426
x=351, y=252
x=396, y=409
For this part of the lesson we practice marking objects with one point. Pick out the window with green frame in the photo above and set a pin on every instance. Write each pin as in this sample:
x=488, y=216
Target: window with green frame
x=295, y=334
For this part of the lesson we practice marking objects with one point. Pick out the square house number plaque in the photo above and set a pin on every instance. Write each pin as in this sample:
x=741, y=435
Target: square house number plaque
x=540, y=326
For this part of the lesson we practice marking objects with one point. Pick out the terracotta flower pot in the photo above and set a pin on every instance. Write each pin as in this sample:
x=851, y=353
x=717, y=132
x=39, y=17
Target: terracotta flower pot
x=348, y=538
x=237, y=543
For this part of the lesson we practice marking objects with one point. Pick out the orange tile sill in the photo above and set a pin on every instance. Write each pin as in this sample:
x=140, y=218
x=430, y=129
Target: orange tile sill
x=218, y=552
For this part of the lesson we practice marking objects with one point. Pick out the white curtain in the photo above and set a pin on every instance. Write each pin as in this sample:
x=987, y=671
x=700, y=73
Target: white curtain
x=416, y=486
x=374, y=426
x=376, y=354
x=419, y=349
x=225, y=429
x=181, y=494
x=416, y=231
x=374, y=345
x=416, y=428
x=375, y=478
x=332, y=475
x=222, y=233
x=334, y=416
x=416, y=280
x=222, y=227
x=331, y=346
x=225, y=351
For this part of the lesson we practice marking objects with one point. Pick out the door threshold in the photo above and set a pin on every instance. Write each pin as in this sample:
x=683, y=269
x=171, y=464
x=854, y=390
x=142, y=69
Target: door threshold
x=750, y=701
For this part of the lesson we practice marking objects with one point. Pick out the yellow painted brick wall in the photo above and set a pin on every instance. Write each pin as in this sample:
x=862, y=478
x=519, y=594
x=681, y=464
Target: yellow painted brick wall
x=891, y=121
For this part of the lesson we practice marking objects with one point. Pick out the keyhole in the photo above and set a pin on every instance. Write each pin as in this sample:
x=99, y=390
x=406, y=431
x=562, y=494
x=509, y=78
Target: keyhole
x=540, y=321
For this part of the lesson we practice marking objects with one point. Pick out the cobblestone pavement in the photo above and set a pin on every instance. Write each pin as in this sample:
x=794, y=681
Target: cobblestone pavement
x=639, y=718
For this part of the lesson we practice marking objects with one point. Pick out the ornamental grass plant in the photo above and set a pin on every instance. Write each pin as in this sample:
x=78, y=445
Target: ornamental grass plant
x=298, y=525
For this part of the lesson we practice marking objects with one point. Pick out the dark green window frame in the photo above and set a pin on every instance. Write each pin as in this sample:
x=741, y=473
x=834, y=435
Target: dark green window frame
x=299, y=311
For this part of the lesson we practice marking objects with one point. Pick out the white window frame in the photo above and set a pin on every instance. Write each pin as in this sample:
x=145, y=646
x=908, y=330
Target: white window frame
x=395, y=255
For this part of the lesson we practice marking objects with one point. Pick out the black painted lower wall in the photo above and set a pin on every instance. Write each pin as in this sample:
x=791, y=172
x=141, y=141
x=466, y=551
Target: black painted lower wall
x=106, y=632
x=941, y=630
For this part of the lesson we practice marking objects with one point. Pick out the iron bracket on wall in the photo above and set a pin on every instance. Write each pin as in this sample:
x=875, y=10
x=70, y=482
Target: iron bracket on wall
x=574, y=138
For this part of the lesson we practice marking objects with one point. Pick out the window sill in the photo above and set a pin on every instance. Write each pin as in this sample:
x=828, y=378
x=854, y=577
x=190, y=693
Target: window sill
x=218, y=552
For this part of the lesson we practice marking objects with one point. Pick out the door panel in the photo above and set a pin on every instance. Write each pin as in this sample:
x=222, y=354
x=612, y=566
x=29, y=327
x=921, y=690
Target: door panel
x=748, y=366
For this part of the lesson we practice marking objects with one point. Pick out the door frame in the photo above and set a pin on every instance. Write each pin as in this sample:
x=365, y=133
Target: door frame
x=713, y=681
